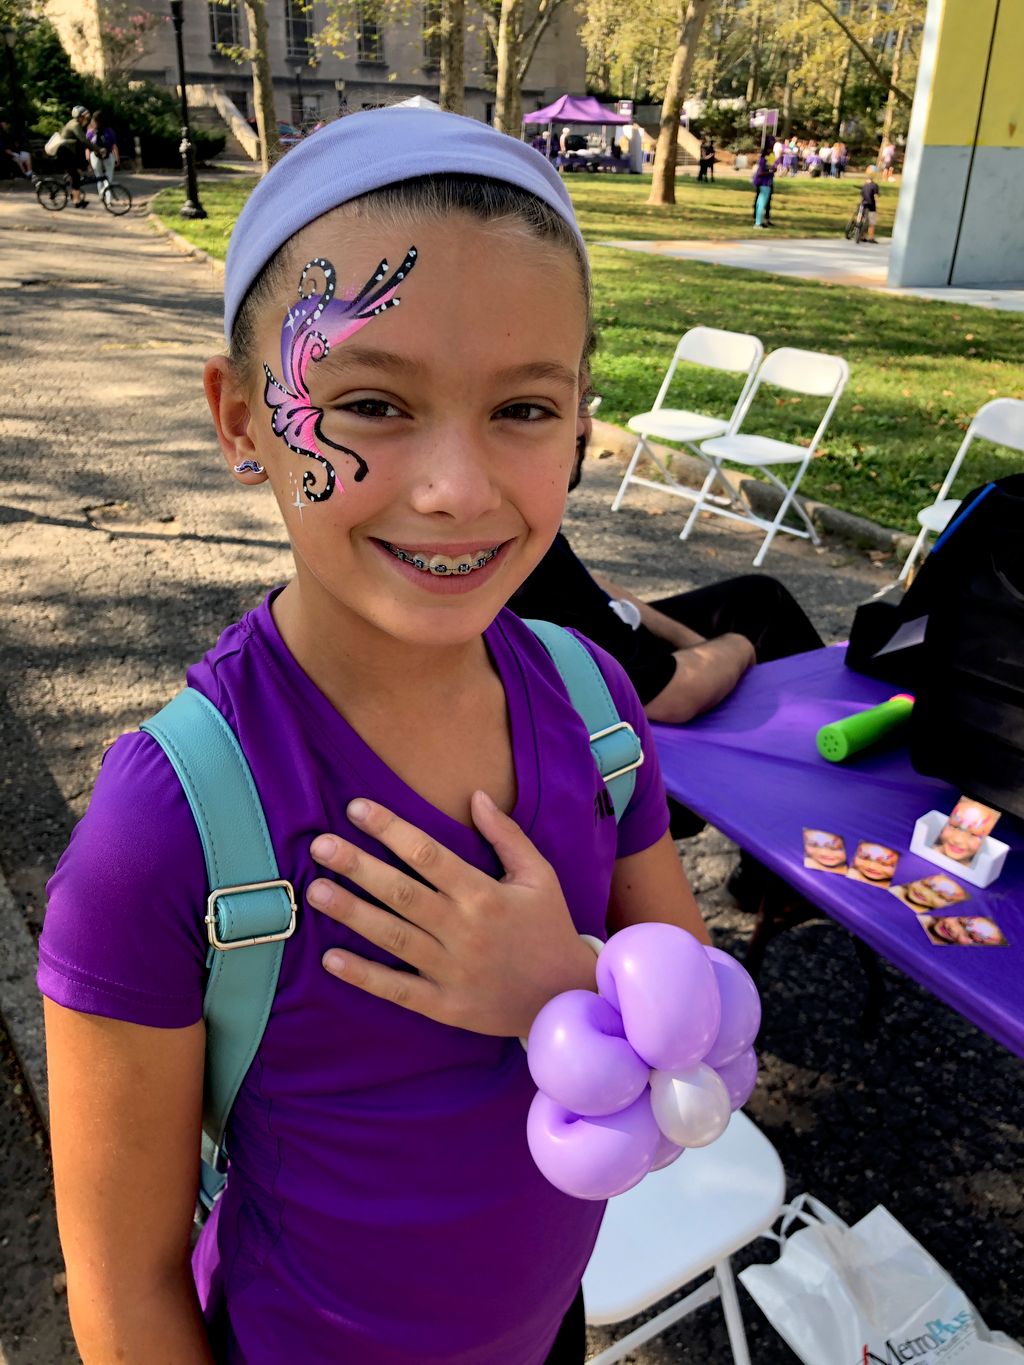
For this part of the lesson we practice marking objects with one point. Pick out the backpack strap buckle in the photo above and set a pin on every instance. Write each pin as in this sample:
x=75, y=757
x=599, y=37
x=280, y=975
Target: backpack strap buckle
x=625, y=751
x=219, y=917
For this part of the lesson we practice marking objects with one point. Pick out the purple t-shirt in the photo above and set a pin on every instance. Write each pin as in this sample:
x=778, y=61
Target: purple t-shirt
x=382, y=1206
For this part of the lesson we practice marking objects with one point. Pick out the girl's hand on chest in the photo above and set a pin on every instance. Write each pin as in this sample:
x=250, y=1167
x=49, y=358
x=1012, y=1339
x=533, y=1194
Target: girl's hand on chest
x=489, y=954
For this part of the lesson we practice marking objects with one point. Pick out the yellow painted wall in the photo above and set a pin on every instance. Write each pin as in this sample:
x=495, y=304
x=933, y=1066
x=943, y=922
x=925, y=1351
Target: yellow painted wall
x=959, y=76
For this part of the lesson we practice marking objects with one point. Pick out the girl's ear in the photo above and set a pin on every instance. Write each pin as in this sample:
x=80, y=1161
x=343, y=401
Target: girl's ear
x=232, y=418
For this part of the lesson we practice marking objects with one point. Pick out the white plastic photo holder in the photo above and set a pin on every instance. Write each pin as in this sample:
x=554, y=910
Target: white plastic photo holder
x=983, y=868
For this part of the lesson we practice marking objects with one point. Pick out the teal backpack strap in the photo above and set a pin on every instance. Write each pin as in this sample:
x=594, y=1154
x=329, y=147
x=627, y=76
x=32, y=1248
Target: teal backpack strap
x=250, y=909
x=613, y=742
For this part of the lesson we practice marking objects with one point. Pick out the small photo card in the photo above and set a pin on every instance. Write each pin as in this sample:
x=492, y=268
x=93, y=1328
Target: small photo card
x=873, y=863
x=967, y=827
x=824, y=851
x=934, y=894
x=963, y=931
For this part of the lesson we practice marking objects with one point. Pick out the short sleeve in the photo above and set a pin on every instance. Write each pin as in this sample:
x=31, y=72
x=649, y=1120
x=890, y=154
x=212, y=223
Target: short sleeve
x=645, y=819
x=123, y=932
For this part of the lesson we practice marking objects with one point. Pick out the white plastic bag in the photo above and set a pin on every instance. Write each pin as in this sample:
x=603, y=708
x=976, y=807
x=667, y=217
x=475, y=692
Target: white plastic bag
x=52, y=143
x=868, y=1295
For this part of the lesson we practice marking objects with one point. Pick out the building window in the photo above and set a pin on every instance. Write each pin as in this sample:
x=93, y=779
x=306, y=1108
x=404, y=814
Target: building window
x=432, y=35
x=370, y=44
x=298, y=27
x=305, y=110
x=224, y=25
x=490, y=57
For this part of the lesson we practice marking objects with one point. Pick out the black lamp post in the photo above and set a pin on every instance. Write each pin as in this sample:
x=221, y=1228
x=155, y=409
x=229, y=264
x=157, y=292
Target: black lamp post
x=298, y=93
x=191, y=207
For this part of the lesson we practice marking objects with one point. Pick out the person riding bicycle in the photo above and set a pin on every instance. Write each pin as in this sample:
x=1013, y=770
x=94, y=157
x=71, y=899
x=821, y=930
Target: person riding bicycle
x=72, y=150
x=104, y=156
x=869, y=201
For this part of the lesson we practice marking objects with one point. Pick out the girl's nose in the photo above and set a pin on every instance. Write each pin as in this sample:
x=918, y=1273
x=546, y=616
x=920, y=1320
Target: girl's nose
x=452, y=476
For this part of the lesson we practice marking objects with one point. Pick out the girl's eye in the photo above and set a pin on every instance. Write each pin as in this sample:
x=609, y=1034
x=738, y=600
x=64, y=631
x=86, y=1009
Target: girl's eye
x=372, y=407
x=524, y=412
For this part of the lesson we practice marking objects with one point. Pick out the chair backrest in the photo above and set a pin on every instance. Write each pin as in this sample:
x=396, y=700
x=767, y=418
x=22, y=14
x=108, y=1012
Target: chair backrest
x=1001, y=421
x=811, y=372
x=715, y=349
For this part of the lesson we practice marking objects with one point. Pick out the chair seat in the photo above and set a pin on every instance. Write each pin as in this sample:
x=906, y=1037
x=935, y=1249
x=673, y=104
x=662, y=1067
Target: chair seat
x=676, y=424
x=937, y=517
x=754, y=450
x=679, y=1222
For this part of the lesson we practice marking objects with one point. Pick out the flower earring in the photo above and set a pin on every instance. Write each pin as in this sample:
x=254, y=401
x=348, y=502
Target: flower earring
x=249, y=467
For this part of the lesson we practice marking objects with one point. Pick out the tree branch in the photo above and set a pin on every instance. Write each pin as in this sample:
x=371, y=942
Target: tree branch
x=872, y=62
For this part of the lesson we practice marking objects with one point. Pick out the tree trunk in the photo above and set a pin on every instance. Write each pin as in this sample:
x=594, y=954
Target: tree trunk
x=262, y=83
x=890, y=103
x=453, y=51
x=754, y=79
x=840, y=91
x=663, y=182
x=508, y=110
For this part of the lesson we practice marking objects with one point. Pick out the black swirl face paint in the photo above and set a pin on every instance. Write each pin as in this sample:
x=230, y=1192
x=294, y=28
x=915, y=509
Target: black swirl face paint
x=311, y=327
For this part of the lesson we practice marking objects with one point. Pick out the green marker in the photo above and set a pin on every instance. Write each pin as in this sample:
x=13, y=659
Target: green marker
x=843, y=738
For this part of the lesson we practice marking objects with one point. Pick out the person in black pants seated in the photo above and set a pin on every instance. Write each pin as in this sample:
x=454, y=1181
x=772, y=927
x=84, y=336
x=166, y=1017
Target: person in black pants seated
x=684, y=654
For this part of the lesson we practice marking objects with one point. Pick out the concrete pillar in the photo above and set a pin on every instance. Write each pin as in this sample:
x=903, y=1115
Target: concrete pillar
x=961, y=212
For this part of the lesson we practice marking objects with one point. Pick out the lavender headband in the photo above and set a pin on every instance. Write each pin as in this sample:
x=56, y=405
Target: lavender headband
x=364, y=152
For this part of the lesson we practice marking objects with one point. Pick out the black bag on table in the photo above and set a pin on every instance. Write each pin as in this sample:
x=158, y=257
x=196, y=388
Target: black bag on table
x=967, y=673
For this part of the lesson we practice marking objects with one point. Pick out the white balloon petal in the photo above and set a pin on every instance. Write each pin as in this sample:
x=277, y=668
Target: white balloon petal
x=690, y=1107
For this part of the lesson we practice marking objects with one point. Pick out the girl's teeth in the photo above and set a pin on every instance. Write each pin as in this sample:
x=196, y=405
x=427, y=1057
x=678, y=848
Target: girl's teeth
x=443, y=566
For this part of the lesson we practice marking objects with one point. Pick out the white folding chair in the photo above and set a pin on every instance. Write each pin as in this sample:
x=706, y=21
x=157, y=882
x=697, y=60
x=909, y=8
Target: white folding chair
x=715, y=349
x=678, y=1224
x=1001, y=421
x=804, y=372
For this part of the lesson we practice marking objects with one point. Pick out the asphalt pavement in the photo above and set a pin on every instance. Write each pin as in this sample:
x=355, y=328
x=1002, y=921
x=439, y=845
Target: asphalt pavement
x=125, y=548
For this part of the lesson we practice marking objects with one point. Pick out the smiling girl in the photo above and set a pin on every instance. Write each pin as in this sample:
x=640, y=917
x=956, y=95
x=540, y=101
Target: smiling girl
x=406, y=306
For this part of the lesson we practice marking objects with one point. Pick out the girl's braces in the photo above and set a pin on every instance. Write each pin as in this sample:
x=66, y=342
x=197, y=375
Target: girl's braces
x=441, y=566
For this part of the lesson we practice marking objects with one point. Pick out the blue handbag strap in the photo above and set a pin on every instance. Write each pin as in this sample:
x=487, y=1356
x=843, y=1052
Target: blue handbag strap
x=613, y=742
x=250, y=910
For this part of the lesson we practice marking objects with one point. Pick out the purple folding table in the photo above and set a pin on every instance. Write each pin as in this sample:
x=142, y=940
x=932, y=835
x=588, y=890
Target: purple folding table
x=751, y=768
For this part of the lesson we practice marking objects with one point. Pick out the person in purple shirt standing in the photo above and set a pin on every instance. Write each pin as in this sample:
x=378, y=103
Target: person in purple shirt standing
x=428, y=787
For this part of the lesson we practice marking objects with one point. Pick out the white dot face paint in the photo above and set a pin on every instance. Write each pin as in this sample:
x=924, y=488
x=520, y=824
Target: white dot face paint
x=311, y=327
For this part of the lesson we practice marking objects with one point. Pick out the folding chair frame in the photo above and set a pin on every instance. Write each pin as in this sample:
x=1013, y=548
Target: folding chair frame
x=736, y=509
x=671, y=484
x=721, y=1285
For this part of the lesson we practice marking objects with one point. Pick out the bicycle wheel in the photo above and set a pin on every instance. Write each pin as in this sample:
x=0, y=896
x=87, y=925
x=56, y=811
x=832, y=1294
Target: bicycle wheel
x=862, y=227
x=52, y=194
x=851, y=229
x=117, y=199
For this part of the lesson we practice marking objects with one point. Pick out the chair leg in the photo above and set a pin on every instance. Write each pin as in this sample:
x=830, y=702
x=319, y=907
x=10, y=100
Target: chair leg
x=780, y=515
x=915, y=550
x=617, y=500
x=733, y=1315
x=695, y=510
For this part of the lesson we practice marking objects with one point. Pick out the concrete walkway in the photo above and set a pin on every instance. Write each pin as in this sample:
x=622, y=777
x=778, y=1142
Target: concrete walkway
x=813, y=258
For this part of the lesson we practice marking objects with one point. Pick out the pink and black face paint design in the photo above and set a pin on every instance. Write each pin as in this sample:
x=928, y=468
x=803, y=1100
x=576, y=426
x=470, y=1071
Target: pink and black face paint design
x=317, y=322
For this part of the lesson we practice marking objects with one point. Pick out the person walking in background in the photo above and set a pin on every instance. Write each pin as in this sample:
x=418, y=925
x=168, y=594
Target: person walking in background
x=104, y=156
x=825, y=156
x=707, y=160
x=869, y=198
x=838, y=160
x=887, y=160
x=764, y=180
x=71, y=152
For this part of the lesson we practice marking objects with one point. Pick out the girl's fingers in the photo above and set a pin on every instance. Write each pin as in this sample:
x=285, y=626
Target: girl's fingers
x=401, y=988
x=424, y=856
x=518, y=856
x=393, y=933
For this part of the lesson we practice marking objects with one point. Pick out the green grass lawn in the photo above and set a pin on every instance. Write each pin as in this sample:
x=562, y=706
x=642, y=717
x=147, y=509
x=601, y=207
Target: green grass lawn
x=919, y=370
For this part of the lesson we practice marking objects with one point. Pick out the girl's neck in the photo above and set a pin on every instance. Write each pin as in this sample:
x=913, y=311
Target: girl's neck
x=356, y=665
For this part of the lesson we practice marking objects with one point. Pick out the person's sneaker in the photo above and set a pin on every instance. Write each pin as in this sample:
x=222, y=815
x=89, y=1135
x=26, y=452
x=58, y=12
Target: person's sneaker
x=83, y=203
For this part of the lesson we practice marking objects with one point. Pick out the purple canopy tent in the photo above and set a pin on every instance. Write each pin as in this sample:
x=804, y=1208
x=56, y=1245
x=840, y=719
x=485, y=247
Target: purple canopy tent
x=570, y=109
x=573, y=109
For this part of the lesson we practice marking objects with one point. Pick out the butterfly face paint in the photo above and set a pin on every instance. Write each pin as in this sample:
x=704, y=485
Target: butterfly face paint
x=311, y=327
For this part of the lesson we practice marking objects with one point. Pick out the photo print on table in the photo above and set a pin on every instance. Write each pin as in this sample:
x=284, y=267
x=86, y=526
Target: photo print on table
x=873, y=863
x=824, y=851
x=963, y=931
x=931, y=895
x=967, y=827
